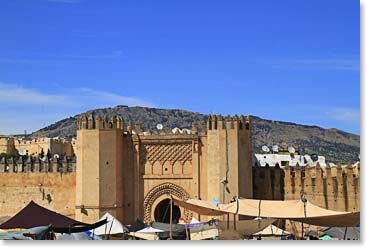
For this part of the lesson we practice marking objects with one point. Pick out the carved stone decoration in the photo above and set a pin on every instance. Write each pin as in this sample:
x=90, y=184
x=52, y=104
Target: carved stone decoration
x=166, y=152
x=164, y=189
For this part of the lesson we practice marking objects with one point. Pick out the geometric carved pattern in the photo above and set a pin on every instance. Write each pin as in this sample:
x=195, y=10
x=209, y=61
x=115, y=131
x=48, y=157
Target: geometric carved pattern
x=164, y=189
x=166, y=152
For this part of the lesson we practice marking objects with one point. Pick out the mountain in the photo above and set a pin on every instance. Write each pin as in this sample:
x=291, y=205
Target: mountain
x=336, y=145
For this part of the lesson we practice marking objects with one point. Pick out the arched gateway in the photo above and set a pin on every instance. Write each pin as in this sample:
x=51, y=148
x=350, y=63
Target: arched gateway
x=156, y=203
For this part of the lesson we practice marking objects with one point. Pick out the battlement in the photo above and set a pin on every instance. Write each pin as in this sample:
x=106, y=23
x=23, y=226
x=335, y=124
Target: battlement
x=39, y=141
x=217, y=122
x=35, y=164
x=98, y=122
x=324, y=172
x=117, y=122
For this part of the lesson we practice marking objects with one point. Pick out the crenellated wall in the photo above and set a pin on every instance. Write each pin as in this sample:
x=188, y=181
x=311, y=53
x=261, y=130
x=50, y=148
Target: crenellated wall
x=210, y=161
x=7, y=145
x=35, y=146
x=336, y=188
x=128, y=172
x=50, y=183
x=268, y=183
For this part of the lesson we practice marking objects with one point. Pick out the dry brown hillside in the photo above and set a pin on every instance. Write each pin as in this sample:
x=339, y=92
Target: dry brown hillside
x=336, y=145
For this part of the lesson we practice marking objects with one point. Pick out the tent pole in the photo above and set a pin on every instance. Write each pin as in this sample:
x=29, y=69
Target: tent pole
x=234, y=222
x=228, y=221
x=109, y=232
x=105, y=227
x=170, y=218
x=345, y=232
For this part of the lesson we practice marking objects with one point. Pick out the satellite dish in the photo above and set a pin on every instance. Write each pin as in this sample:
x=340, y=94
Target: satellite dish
x=308, y=159
x=314, y=157
x=265, y=149
x=22, y=152
x=159, y=126
x=291, y=150
x=275, y=149
x=43, y=159
x=176, y=130
x=56, y=156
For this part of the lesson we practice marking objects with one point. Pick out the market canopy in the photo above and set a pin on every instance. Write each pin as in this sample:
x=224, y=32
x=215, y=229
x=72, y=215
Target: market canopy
x=37, y=233
x=34, y=215
x=246, y=227
x=200, y=206
x=113, y=226
x=272, y=230
x=342, y=232
x=295, y=210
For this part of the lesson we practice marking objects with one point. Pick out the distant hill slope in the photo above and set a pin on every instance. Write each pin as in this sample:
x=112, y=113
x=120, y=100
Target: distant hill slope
x=336, y=145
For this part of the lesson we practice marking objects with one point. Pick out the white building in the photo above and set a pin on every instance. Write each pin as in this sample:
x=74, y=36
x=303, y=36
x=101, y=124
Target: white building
x=282, y=159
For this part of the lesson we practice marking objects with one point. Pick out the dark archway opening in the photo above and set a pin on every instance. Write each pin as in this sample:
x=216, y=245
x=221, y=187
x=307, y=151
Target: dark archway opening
x=162, y=212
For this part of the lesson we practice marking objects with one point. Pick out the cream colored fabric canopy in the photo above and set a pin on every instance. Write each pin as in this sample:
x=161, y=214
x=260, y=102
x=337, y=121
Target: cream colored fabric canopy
x=294, y=210
x=200, y=207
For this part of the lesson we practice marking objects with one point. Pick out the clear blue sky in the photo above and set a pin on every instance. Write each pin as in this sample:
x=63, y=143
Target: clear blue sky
x=290, y=60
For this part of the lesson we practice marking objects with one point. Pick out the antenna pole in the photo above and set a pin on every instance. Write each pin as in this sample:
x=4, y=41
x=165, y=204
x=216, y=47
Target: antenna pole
x=170, y=217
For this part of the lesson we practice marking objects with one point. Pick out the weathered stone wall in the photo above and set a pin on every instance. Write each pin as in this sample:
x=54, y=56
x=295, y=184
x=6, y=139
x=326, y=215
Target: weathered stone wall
x=193, y=164
x=35, y=146
x=268, y=183
x=335, y=188
x=55, y=191
x=7, y=145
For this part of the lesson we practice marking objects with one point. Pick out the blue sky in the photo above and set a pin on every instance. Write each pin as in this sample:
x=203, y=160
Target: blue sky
x=290, y=60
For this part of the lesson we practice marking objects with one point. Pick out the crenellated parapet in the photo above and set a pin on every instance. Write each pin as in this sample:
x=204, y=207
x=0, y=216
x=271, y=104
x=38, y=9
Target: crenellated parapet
x=34, y=164
x=327, y=171
x=214, y=122
x=99, y=122
x=217, y=122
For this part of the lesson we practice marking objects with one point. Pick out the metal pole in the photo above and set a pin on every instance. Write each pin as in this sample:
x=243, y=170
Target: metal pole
x=227, y=221
x=170, y=218
x=110, y=229
x=345, y=232
x=234, y=222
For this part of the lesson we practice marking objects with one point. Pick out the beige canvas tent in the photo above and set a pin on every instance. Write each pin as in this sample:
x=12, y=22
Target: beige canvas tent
x=295, y=210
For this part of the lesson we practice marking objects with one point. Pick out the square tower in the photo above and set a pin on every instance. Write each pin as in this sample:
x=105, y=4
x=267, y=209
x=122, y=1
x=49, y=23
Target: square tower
x=99, y=180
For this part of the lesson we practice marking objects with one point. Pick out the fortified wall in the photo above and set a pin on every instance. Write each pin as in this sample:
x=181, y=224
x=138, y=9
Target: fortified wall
x=335, y=188
x=35, y=146
x=132, y=172
x=7, y=145
x=331, y=187
x=50, y=183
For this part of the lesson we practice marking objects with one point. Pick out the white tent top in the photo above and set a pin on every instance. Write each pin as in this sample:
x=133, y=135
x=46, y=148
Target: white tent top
x=113, y=226
x=194, y=221
x=272, y=230
x=150, y=229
